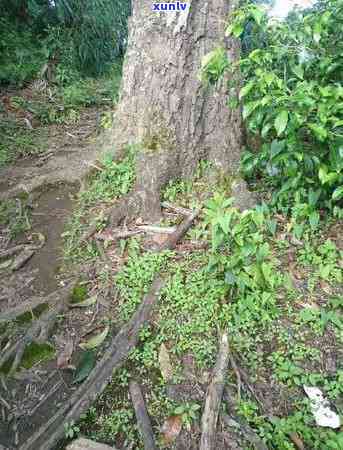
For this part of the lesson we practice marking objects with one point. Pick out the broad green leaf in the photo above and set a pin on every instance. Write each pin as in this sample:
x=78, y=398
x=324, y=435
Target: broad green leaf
x=338, y=193
x=319, y=131
x=246, y=89
x=96, y=340
x=276, y=148
x=317, y=29
x=314, y=219
x=85, y=367
x=257, y=13
x=299, y=71
x=281, y=122
x=249, y=108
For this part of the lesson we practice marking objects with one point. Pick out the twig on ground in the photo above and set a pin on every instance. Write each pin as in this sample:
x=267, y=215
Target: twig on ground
x=214, y=396
x=155, y=229
x=238, y=375
x=143, y=420
x=180, y=231
x=177, y=209
x=297, y=441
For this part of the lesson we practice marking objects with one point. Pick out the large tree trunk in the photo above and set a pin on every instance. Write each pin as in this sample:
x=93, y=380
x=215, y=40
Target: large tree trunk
x=164, y=108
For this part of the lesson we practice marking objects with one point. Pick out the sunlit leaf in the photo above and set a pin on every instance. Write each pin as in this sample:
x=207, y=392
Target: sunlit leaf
x=96, y=340
x=281, y=122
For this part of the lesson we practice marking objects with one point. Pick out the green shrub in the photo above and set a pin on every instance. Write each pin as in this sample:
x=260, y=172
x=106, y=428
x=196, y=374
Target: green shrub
x=22, y=55
x=292, y=99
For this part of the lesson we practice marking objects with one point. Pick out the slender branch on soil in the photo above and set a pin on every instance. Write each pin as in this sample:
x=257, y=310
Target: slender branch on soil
x=180, y=231
x=155, y=229
x=214, y=396
x=13, y=313
x=297, y=441
x=177, y=209
x=121, y=234
x=143, y=420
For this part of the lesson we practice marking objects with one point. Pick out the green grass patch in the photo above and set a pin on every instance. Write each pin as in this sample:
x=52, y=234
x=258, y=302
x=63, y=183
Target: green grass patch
x=116, y=179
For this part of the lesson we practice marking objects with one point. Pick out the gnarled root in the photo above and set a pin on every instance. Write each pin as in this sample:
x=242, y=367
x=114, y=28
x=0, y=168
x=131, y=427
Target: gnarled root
x=40, y=329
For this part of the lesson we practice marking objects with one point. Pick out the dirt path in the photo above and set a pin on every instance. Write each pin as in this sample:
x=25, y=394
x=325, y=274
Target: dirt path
x=47, y=185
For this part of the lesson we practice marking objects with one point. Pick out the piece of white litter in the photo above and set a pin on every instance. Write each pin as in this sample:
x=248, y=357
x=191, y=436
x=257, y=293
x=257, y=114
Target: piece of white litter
x=320, y=406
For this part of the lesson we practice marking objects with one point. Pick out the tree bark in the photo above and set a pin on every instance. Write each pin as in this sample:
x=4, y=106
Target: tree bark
x=164, y=109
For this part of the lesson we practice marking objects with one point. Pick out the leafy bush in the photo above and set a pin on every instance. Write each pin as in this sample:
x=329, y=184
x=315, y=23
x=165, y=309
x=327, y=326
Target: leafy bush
x=292, y=102
x=21, y=58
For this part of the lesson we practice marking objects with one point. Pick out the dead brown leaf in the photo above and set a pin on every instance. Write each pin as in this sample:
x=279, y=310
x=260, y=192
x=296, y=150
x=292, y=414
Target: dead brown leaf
x=171, y=429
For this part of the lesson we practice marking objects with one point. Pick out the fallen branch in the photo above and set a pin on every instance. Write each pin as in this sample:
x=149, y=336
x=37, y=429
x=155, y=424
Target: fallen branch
x=177, y=209
x=214, y=396
x=39, y=332
x=13, y=313
x=143, y=420
x=155, y=229
x=121, y=234
x=180, y=231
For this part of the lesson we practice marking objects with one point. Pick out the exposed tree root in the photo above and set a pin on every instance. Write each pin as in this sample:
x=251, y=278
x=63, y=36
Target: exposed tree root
x=49, y=434
x=28, y=306
x=11, y=251
x=214, y=396
x=23, y=258
x=53, y=430
x=38, y=332
x=143, y=420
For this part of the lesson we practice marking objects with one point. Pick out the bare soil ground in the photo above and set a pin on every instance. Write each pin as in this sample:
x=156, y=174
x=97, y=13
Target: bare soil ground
x=42, y=189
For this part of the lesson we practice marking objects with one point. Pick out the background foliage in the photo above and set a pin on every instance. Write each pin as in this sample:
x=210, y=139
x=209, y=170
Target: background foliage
x=292, y=99
x=76, y=36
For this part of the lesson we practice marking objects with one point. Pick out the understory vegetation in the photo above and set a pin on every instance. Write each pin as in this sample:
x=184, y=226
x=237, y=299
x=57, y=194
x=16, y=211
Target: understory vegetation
x=271, y=276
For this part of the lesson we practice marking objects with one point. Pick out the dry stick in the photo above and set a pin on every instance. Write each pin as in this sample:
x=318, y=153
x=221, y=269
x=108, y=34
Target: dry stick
x=177, y=209
x=53, y=430
x=214, y=396
x=181, y=230
x=29, y=305
x=143, y=420
x=154, y=229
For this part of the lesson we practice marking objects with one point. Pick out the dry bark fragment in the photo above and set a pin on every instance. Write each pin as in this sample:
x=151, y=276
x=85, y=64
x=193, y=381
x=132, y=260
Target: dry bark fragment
x=143, y=420
x=214, y=396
